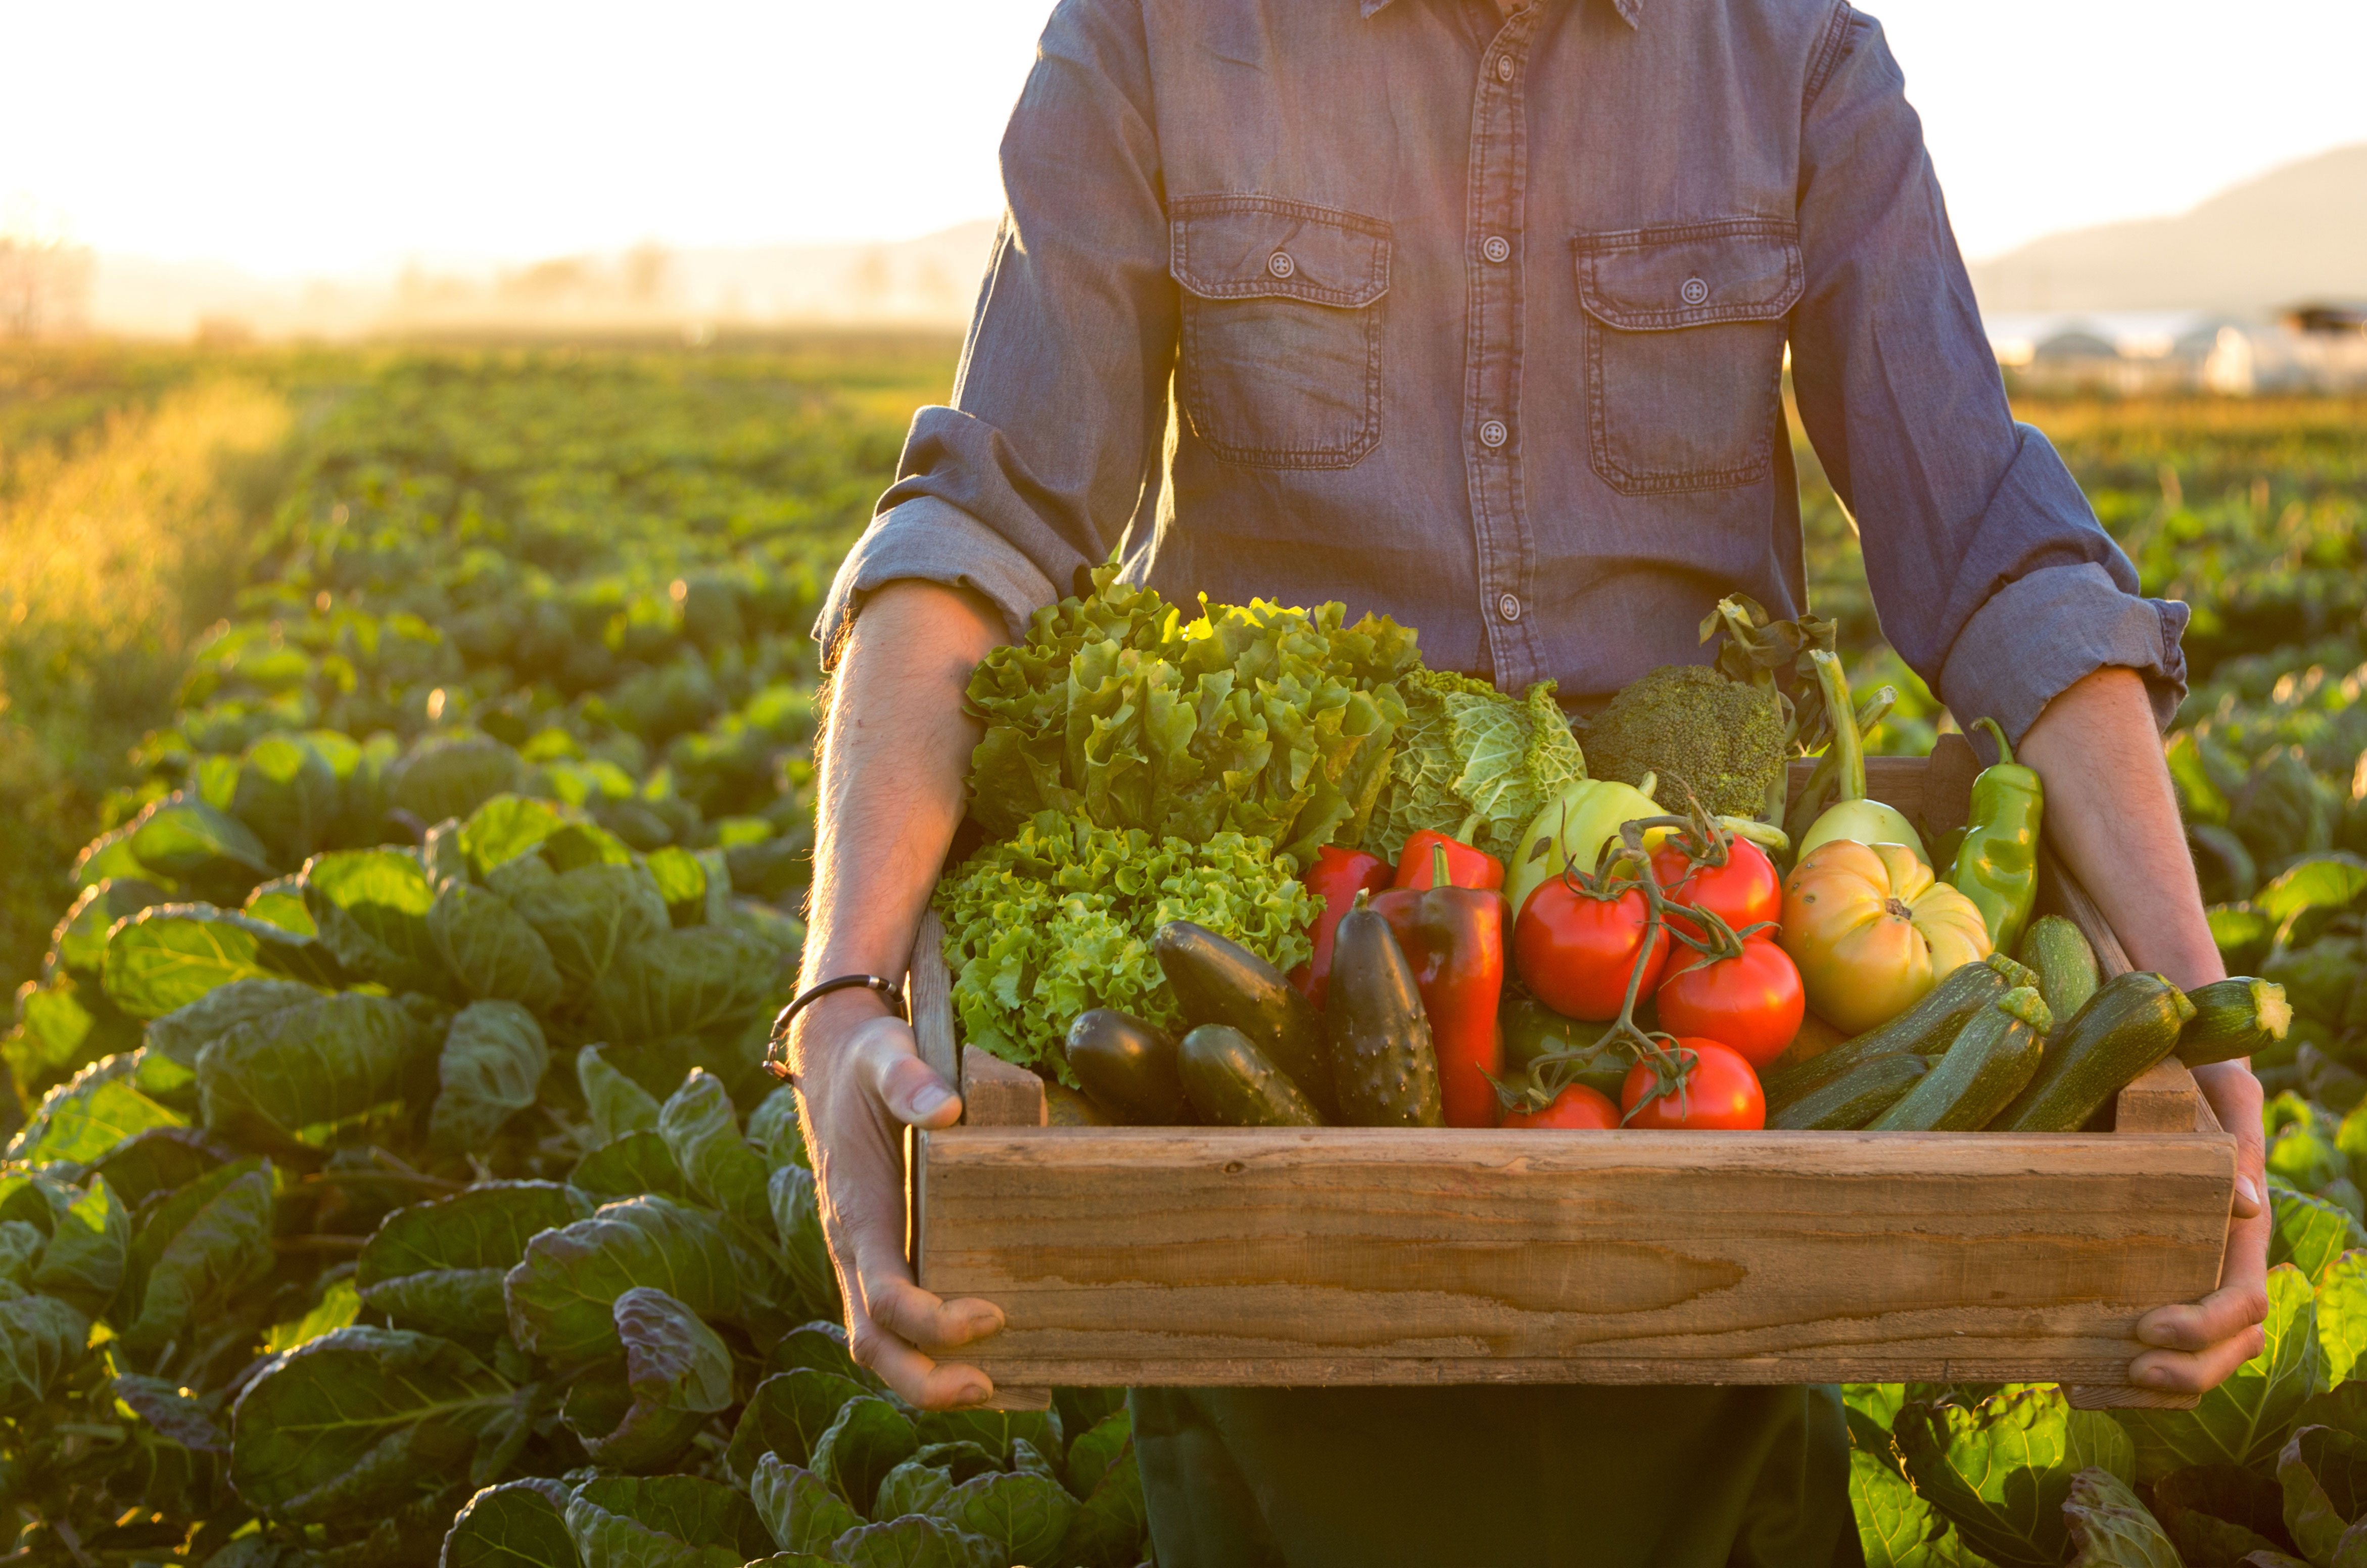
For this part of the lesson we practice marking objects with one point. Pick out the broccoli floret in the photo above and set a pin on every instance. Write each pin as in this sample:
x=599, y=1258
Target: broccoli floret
x=1685, y=722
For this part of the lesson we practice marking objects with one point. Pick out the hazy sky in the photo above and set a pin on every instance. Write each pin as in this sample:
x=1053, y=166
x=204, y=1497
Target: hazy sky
x=317, y=138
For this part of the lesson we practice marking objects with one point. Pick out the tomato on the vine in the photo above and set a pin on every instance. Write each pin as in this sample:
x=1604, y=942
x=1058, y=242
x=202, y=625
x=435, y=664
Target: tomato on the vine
x=1752, y=1001
x=1576, y=1106
x=1744, y=892
x=1577, y=952
x=1719, y=1093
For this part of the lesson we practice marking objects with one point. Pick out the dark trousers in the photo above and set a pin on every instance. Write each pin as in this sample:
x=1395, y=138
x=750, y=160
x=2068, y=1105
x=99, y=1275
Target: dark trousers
x=1534, y=1476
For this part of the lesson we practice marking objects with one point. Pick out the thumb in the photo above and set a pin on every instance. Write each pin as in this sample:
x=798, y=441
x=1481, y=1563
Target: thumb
x=907, y=1087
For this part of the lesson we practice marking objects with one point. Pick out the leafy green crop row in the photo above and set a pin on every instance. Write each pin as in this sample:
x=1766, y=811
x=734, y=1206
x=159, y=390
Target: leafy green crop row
x=2255, y=514
x=399, y=1176
x=395, y=1122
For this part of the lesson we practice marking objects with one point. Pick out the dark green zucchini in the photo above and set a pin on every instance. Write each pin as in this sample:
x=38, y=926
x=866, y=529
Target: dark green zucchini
x=1383, y=1065
x=2058, y=950
x=1233, y=1084
x=2240, y=1016
x=1217, y=981
x=1925, y=1029
x=1852, y=1100
x=2130, y=1023
x=1128, y=1068
x=1990, y=1060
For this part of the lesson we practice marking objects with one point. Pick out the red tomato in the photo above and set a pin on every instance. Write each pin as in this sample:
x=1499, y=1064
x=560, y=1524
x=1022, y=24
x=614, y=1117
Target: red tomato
x=1752, y=1003
x=1720, y=1093
x=1743, y=892
x=1576, y=954
x=1576, y=1106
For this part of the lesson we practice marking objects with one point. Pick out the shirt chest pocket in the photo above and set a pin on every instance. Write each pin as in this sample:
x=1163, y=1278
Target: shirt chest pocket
x=1281, y=351
x=1684, y=350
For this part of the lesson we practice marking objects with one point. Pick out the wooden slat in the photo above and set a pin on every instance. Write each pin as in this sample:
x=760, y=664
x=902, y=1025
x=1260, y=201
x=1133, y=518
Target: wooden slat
x=928, y=991
x=2162, y=1098
x=998, y=1094
x=1948, y=777
x=928, y=997
x=1893, y=780
x=1364, y=1256
x=2059, y=893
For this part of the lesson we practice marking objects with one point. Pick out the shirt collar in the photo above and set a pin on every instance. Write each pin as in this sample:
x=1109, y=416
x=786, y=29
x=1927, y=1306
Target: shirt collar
x=1629, y=10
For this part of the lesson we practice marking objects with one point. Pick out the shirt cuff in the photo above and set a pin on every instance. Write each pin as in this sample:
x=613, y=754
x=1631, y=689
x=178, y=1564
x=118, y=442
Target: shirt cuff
x=2043, y=632
x=931, y=540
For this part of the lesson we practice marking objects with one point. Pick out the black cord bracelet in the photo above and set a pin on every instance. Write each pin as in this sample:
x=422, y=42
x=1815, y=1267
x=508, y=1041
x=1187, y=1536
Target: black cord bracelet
x=887, y=990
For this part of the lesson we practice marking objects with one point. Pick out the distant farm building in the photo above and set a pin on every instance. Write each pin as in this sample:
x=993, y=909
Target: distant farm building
x=2317, y=346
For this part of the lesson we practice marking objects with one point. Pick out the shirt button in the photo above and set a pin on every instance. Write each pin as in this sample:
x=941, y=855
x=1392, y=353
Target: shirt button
x=1493, y=434
x=1497, y=248
x=1281, y=266
x=1505, y=68
x=1694, y=291
x=1509, y=607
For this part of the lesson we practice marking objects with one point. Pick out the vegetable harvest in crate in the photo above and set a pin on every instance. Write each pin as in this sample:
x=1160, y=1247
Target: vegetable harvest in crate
x=1255, y=865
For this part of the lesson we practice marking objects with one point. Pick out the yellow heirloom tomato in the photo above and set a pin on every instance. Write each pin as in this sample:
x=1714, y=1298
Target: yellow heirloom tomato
x=1872, y=931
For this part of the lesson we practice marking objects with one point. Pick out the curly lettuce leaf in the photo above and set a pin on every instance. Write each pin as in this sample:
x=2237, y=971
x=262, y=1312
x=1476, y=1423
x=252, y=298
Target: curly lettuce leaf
x=1058, y=919
x=1261, y=720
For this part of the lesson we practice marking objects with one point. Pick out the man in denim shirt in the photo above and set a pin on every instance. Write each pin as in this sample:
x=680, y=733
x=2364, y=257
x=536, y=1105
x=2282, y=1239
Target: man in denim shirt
x=1474, y=313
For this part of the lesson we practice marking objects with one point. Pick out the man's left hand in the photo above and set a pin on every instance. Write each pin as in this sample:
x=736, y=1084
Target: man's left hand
x=2202, y=1343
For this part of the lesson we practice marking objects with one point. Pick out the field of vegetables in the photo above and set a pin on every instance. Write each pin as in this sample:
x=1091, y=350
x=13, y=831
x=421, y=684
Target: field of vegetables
x=392, y=1170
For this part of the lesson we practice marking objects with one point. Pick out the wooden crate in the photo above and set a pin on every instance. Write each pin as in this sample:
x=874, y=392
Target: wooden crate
x=1200, y=1255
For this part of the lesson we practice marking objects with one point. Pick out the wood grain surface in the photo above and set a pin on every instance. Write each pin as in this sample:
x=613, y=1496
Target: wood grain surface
x=1370, y=1255
x=996, y=1094
x=928, y=990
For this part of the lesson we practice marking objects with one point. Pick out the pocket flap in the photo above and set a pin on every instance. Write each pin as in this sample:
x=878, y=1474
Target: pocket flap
x=1247, y=247
x=1654, y=279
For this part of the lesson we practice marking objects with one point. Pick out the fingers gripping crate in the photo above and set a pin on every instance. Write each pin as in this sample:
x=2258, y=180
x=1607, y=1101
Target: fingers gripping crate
x=1201, y=1256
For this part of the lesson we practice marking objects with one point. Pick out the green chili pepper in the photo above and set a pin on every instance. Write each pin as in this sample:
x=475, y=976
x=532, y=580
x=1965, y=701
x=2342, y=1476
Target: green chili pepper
x=1996, y=864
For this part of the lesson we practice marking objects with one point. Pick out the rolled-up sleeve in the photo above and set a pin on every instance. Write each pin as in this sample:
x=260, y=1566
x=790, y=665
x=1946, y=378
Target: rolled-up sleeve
x=1993, y=578
x=1059, y=405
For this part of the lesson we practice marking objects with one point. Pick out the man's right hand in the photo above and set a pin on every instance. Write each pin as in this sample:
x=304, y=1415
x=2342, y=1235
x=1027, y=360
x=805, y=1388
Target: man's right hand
x=860, y=1083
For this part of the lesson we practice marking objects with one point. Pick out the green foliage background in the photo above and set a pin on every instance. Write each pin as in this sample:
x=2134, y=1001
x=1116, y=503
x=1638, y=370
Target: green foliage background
x=398, y=884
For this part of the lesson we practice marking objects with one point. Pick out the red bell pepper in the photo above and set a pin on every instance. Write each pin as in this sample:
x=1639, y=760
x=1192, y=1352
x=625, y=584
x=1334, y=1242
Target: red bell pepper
x=1454, y=937
x=1338, y=876
x=1466, y=867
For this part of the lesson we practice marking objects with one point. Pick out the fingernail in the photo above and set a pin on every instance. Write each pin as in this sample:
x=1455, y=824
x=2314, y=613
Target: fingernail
x=974, y=1394
x=931, y=1097
x=2250, y=1193
x=2154, y=1377
x=2152, y=1337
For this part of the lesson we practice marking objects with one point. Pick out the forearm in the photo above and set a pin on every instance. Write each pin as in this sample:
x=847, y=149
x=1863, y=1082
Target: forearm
x=894, y=754
x=2111, y=814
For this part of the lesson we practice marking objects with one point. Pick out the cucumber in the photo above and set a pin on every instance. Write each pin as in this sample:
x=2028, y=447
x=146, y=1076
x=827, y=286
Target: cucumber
x=1217, y=981
x=1990, y=1061
x=1383, y=1064
x=1852, y=1100
x=1233, y=1084
x=2065, y=965
x=1925, y=1029
x=2130, y=1023
x=1128, y=1068
x=2239, y=1016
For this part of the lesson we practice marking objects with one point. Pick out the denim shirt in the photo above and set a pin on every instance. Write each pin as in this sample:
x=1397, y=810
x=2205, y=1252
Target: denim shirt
x=1480, y=323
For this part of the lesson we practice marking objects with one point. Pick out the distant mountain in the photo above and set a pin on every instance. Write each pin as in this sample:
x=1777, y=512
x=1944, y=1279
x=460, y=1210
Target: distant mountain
x=2297, y=233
